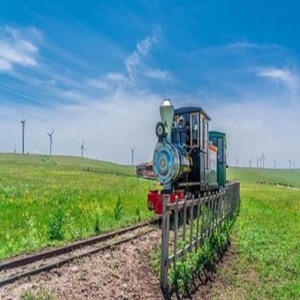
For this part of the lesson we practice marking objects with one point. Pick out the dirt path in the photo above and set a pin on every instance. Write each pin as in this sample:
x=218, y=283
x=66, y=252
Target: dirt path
x=120, y=273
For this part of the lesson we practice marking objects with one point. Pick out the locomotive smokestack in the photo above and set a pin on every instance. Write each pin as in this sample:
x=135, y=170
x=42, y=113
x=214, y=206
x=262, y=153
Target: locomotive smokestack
x=167, y=114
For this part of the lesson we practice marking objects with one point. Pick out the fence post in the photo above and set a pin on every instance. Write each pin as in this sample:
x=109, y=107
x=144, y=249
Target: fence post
x=203, y=219
x=198, y=217
x=184, y=219
x=175, y=231
x=191, y=223
x=165, y=244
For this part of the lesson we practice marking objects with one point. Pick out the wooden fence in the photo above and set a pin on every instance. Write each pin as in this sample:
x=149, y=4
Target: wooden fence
x=193, y=221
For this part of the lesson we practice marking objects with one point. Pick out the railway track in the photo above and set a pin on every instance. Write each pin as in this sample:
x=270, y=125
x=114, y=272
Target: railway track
x=15, y=269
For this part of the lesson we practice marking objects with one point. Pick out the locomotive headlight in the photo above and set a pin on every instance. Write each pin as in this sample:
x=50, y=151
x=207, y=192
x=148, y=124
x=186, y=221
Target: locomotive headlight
x=160, y=130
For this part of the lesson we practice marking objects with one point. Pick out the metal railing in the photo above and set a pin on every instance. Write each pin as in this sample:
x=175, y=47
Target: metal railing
x=193, y=220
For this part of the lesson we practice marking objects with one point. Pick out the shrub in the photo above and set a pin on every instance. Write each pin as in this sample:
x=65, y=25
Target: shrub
x=138, y=214
x=55, y=226
x=118, y=209
x=97, y=224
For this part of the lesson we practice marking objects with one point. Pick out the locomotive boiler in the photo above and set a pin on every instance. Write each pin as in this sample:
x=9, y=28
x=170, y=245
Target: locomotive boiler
x=188, y=159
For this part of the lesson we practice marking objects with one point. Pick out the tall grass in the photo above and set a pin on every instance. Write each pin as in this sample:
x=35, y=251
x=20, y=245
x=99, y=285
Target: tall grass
x=50, y=200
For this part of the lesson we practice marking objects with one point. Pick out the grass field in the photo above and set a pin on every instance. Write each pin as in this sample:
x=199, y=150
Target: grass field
x=50, y=200
x=266, y=238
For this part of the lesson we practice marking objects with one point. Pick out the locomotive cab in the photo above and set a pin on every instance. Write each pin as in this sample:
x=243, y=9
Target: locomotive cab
x=190, y=131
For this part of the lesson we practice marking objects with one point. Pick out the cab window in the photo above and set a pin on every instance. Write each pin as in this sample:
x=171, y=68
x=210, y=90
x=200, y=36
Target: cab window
x=194, y=129
x=220, y=150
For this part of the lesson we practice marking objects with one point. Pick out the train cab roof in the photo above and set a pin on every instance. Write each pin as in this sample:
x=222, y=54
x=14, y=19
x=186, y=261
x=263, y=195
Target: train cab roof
x=217, y=133
x=191, y=109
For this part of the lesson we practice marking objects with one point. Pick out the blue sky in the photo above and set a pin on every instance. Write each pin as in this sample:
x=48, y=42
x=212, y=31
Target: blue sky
x=98, y=70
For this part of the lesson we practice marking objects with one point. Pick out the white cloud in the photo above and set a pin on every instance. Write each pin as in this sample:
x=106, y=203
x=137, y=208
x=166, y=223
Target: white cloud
x=116, y=77
x=4, y=65
x=110, y=81
x=257, y=126
x=135, y=68
x=158, y=74
x=99, y=84
x=144, y=46
x=283, y=75
x=16, y=49
x=142, y=49
x=248, y=45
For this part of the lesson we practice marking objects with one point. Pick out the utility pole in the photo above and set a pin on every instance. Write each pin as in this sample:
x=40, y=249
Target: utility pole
x=132, y=155
x=23, y=135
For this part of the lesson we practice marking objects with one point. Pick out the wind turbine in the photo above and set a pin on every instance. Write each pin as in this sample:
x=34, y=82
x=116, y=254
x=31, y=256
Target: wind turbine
x=263, y=158
x=51, y=140
x=23, y=135
x=250, y=163
x=132, y=155
x=82, y=148
x=290, y=162
x=237, y=162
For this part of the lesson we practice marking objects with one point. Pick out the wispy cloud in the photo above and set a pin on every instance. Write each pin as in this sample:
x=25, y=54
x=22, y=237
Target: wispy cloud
x=281, y=75
x=110, y=81
x=158, y=74
x=16, y=48
x=99, y=84
x=137, y=68
x=142, y=49
x=248, y=45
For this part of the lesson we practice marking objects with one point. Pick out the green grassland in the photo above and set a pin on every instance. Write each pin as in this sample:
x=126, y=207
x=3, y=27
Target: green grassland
x=266, y=237
x=46, y=201
x=50, y=200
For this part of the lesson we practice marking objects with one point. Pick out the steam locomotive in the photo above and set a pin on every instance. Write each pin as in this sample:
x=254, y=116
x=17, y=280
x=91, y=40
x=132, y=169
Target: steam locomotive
x=188, y=158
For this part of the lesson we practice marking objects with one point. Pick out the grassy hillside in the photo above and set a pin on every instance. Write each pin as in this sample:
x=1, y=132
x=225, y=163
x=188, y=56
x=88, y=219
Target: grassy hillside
x=270, y=176
x=47, y=200
x=266, y=238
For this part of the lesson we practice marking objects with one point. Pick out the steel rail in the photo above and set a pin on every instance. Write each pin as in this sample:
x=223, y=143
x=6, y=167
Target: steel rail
x=14, y=263
x=49, y=267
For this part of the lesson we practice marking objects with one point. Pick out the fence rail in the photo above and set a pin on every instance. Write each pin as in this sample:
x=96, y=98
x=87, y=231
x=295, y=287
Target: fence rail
x=193, y=220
